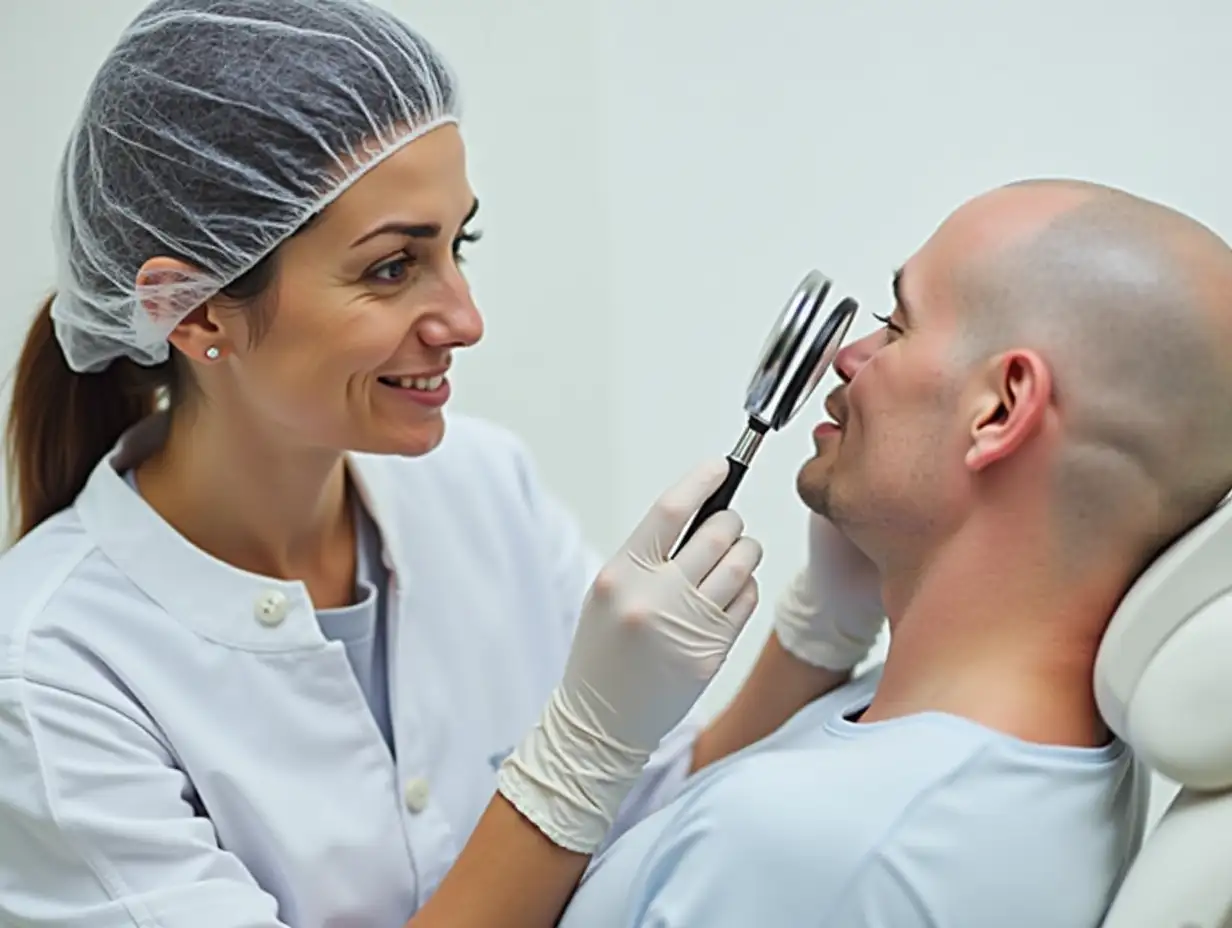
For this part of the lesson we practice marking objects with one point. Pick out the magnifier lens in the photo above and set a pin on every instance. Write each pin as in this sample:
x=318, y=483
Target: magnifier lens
x=793, y=360
x=784, y=343
x=825, y=347
x=761, y=386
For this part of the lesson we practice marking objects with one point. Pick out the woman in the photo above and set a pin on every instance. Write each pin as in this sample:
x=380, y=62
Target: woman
x=271, y=632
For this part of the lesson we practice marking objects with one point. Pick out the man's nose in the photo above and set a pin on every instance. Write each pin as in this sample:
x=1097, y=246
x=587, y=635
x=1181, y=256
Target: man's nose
x=852, y=357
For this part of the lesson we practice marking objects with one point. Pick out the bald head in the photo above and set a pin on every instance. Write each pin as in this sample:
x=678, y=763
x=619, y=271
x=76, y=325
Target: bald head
x=1131, y=305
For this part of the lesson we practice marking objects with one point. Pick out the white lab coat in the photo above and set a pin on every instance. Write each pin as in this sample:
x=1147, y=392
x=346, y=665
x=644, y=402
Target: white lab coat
x=181, y=747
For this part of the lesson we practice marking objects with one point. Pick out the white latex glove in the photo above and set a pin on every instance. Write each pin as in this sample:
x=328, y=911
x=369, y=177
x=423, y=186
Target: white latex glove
x=652, y=634
x=832, y=612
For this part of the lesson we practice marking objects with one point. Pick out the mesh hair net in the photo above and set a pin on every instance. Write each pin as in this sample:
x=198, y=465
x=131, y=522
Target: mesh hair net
x=213, y=131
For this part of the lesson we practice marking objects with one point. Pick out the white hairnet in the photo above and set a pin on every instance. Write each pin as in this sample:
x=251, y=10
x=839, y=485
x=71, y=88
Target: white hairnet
x=213, y=131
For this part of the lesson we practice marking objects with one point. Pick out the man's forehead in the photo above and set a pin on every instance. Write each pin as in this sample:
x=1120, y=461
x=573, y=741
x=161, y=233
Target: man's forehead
x=975, y=232
x=1003, y=218
x=902, y=302
x=920, y=293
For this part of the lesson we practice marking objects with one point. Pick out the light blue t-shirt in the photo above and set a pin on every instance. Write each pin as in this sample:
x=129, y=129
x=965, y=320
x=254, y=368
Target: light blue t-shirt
x=361, y=626
x=927, y=821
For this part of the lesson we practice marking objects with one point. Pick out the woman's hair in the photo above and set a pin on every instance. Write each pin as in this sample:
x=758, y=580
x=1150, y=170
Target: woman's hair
x=61, y=423
x=214, y=130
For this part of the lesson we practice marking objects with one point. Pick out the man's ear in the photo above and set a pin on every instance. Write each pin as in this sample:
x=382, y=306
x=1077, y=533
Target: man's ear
x=172, y=289
x=1013, y=396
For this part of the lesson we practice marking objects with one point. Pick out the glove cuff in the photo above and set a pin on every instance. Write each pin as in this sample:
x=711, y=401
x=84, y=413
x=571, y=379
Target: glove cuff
x=812, y=630
x=839, y=656
x=567, y=781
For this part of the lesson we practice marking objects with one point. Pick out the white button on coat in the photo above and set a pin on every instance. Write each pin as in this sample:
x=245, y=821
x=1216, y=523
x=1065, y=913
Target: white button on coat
x=271, y=608
x=416, y=793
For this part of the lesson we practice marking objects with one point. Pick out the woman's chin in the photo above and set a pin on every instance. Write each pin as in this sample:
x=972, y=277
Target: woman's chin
x=410, y=442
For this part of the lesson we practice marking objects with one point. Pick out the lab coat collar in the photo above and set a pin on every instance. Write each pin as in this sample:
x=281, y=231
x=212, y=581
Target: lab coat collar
x=220, y=602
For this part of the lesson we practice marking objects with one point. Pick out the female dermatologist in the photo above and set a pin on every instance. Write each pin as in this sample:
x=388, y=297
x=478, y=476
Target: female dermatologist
x=277, y=647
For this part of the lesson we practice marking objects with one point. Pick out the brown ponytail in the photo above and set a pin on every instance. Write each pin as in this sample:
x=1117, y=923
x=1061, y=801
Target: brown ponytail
x=62, y=423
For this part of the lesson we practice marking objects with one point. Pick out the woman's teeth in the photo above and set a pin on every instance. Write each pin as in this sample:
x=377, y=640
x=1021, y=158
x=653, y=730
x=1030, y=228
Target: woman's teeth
x=424, y=384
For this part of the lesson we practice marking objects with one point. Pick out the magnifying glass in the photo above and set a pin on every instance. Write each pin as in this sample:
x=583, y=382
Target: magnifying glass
x=799, y=350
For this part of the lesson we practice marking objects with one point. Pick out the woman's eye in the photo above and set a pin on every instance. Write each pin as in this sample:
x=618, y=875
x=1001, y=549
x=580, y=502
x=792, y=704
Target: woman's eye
x=397, y=270
x=391, y=272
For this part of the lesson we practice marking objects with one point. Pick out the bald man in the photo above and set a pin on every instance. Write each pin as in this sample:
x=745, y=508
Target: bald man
x=1049, y=403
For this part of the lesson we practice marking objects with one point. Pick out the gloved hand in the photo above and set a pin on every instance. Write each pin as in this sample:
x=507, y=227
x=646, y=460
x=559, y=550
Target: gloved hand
x=652, y=634
x=831, y=613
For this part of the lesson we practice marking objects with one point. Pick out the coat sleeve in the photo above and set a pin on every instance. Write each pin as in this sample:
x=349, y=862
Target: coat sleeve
x=97, y=829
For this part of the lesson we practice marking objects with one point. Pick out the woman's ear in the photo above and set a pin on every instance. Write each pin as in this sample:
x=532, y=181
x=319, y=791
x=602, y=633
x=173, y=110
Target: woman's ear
x=170, y=289
x=1012, y=398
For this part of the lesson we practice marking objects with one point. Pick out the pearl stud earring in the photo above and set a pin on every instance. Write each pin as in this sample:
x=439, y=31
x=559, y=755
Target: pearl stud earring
x=212, y=353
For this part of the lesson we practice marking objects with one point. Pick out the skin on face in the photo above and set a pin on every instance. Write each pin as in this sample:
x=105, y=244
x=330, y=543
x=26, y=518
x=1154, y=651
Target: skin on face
x=252, y=469
x=370, y=289
x=1006, y=450
x=918, y=423
x=885, y=461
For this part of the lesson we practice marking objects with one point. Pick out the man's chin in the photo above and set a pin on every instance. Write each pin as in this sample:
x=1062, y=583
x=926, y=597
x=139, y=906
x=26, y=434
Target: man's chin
x=813, y=485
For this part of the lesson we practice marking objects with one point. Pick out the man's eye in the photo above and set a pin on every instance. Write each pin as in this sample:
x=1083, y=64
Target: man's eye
x=889, y=324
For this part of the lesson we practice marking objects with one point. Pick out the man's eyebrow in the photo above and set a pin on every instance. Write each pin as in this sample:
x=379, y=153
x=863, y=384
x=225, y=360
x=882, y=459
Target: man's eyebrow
x=896, y=285
x=417, y=230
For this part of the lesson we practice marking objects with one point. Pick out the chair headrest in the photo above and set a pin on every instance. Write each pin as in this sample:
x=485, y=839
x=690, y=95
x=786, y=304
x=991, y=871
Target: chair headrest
x=1163, y=675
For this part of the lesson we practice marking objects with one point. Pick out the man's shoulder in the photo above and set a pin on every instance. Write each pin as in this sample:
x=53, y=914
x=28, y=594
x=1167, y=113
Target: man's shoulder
x=932, y=807
x=827, y=778
x=775, y=836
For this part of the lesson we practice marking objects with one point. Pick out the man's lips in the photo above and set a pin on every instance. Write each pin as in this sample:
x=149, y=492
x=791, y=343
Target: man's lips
x=826, y=428
x=835, y=410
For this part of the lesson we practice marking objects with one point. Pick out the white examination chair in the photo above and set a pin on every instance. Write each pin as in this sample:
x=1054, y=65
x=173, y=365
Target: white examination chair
x=1163, y=679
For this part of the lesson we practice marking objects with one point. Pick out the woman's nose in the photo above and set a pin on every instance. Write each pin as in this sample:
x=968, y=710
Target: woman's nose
x=455, y=324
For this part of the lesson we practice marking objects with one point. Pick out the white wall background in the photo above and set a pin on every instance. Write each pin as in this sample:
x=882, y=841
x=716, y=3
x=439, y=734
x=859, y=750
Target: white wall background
x=657, y=174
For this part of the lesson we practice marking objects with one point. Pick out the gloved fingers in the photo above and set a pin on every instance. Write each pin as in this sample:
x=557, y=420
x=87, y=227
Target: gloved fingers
x=709, y=546
x=731, y=574
x=656, y=534
x=744, y=605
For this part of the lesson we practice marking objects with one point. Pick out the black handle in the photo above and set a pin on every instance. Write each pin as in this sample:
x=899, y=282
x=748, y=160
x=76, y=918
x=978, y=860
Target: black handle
x=719, y=500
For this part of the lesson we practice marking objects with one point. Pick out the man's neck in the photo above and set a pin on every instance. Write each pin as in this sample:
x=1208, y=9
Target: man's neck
x=997, y=639
x=243, y=496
